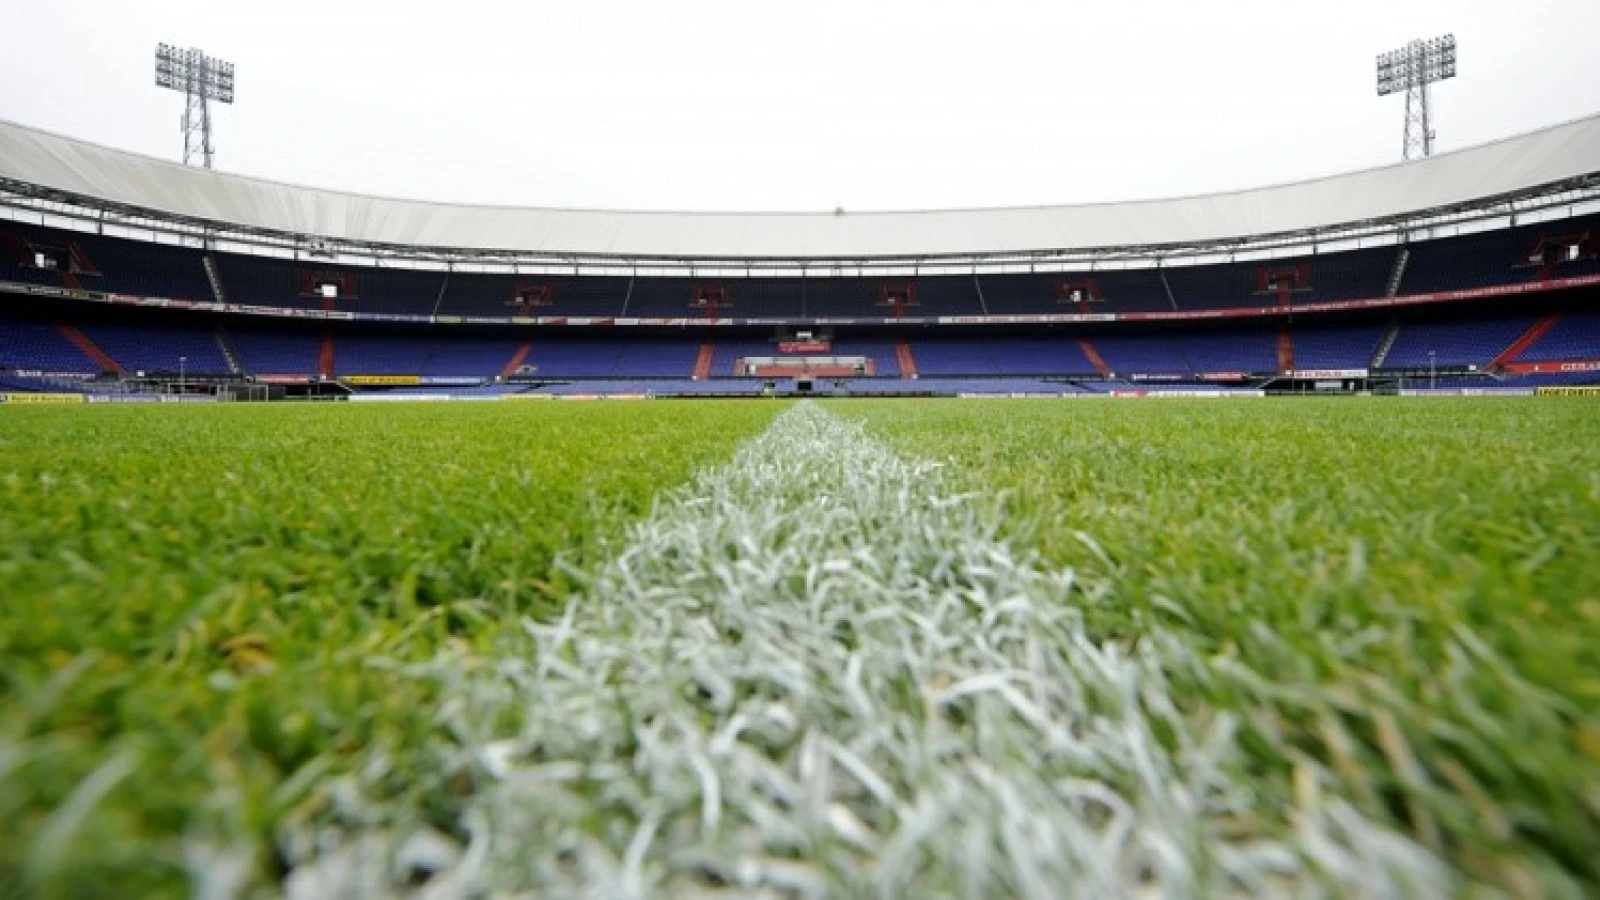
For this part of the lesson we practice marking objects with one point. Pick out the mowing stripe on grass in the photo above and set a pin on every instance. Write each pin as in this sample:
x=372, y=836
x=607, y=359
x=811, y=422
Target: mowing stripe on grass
x=818, y=670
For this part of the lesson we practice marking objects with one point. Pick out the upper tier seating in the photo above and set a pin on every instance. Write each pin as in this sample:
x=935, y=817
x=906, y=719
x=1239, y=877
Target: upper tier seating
x=1471, y=261
x=164, y=270
x=494, y=296
x=113, y=265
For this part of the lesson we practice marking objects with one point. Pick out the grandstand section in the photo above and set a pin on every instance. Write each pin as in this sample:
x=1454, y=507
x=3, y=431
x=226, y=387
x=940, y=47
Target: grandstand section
x=1479, y=267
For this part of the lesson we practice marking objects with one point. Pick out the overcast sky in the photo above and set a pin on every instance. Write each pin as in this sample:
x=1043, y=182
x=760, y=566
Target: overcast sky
x=761, y=104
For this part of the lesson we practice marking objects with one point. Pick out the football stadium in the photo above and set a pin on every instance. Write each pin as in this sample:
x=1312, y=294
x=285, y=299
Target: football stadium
x=1235, y=544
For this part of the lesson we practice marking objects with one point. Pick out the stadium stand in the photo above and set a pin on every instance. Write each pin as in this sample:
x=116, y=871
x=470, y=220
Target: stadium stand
x=277, y=352
x=1465, y=342
x=1243, y=350
x=139, y=268
x=1335, y=346
x=1151, y=355
x=1575, y=336
x=934, y=301
x=93, y=340
x=38, y=346
x=1008, y=356
x=165, y=349
x=885, y=361
x=381, y=355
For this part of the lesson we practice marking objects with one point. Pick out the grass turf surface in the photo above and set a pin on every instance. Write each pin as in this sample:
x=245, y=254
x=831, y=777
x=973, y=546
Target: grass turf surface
x=1403, y=591
x=1406, y=592
x=193, y=599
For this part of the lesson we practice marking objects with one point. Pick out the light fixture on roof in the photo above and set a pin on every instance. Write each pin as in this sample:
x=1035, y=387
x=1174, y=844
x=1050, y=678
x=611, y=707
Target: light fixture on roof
x=200, y=79
x=1411, y=69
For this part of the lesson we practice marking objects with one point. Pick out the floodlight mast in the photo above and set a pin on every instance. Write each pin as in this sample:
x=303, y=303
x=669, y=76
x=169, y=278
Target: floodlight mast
x=1411, y=69
x=200, y=79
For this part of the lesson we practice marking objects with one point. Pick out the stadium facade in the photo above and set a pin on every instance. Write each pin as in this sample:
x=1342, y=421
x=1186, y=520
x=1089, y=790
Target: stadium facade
x=1475, y=269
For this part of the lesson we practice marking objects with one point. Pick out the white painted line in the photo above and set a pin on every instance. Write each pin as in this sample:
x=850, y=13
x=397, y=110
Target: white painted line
x=819, y=671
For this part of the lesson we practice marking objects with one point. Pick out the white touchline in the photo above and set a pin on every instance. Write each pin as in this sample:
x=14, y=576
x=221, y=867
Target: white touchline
x=818, y=670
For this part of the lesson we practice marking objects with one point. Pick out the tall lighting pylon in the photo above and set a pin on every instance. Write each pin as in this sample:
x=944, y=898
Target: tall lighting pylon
x=1411, y=69
x=200, y=79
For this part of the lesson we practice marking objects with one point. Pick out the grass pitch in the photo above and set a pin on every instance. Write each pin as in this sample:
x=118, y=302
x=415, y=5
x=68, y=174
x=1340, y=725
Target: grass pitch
x=209, y=613
x=194, y=600
x=1405, y=592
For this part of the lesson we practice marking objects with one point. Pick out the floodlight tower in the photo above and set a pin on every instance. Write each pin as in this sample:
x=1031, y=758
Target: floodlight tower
x=200, y=79
x=1411, y=69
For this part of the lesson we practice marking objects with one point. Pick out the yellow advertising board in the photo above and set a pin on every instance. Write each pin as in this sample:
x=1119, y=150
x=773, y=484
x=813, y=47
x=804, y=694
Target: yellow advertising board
x=383, y=380
x=41, y=398
x=1570, y=391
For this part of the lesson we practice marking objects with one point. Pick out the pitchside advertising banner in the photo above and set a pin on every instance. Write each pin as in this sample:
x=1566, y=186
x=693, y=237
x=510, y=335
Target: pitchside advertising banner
x=1593, y=391
x=1328, y=373
x=1187, y=395
x=383, y=380
x=41, y=399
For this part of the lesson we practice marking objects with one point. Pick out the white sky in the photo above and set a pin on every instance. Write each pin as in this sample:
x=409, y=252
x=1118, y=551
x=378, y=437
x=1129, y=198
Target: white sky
x=761, y=104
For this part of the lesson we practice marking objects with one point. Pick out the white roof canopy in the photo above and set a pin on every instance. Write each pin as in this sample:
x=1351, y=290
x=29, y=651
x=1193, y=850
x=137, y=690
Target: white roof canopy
x=1560, y=156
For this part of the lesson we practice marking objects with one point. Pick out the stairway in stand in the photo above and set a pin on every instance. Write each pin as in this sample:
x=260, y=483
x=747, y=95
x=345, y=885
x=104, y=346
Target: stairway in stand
x=1397, y=272
x=1390, y=332
x=325, y=355
x=1094, y=357
x=88, y=348
x=904, y=357
x=702, y=363
x=218, y=293
x=229, y=353
x=1535, y=331
x=516, y=360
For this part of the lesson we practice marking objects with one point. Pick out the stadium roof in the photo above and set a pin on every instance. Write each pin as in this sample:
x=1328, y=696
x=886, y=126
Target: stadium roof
x=38, y=165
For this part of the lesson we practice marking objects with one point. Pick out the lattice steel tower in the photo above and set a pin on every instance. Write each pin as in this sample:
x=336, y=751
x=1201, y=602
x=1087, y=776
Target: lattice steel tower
x=200, y=79
x=1411, y=69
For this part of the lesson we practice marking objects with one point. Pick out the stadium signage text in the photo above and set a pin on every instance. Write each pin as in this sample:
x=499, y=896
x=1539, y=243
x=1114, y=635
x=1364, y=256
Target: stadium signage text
x=1588, y=365
x=41, y=399
x=387, y=380
x=40, y=373
x=1329, y=373
x=1190, y=395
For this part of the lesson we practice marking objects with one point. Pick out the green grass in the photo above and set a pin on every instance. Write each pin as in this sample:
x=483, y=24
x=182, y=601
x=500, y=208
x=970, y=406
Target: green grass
x=1405, y=592
x=206, y=614
x=197, y=601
